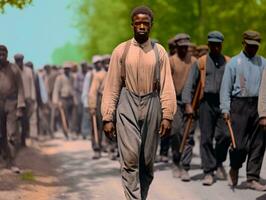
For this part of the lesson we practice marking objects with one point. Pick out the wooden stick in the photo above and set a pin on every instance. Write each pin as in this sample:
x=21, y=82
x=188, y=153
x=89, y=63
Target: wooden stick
x=63, y=118
x=228, y=122
x=95, y=129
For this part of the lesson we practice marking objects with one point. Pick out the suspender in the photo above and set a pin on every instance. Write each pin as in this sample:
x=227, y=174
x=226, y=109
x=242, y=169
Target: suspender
x=123, y=63
x=156, y=78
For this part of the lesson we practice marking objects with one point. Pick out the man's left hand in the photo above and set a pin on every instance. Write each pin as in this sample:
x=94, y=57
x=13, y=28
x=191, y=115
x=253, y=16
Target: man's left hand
x=262, y=121
x=165, y=127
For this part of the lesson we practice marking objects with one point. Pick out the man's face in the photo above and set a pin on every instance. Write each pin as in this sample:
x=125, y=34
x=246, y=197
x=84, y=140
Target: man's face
x=3, y=57
x=215, y=47
x=67, y=71
x=182, y=51
x=98, y=65
x=19, y=62
x=84, y=68
x=141, y=25
x=250, y=49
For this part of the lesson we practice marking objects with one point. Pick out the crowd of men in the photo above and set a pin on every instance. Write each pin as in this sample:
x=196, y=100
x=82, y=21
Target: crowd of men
x=146, y=93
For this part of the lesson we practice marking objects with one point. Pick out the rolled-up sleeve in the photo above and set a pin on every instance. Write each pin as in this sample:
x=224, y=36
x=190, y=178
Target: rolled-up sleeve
x=262, y=96
x=112, y=89
x=167, y=90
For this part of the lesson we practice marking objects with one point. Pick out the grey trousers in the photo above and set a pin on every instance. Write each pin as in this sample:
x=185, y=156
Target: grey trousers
x=178, y=126
x=9, y=135
x=138, y=122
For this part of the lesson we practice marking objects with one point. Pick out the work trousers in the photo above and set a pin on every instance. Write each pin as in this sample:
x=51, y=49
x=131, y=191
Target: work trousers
x=9, y=135
x=138, y=122
x=212, y=126
x=77, y=118
x=177, y=131
x=250, y=137
x=25, y=121
x=86, y=123
x=97, y=136
x=67, y=105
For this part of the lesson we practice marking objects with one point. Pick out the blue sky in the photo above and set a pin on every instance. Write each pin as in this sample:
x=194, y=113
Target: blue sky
x=38, y=29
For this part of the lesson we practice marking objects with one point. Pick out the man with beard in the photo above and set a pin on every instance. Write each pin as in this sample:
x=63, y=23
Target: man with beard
x=11, y=106
x=239, y=101
x=138, y=103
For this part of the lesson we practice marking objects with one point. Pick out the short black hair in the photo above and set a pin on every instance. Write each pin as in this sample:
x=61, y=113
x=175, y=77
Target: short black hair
x=142, y=10
x=3, y=48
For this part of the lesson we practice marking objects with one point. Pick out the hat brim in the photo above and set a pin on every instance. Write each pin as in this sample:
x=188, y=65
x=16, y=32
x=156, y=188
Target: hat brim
x=183, y=43
x=252, y=42
x=215, y=40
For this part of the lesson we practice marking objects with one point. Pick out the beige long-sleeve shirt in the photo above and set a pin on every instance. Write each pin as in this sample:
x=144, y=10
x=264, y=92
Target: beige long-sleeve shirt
x=262, y=96
x=96, y=87
x=140, y=68
x=11, y=86
x=63, y=87
x=180, y=70
x=28, y=83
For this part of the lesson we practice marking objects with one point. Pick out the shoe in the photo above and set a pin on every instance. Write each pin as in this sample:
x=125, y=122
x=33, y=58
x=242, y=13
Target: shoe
x=15, y=170
x=208, y=180
x=256, y=185
x=158, y=159
x=233, y=177
x=221, y=173
x=185, y=176
x=164, y=159
x=97, y=155
x=176, y=172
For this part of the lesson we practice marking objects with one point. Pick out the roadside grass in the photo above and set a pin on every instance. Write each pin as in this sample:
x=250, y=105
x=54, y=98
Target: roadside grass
x=27, y=176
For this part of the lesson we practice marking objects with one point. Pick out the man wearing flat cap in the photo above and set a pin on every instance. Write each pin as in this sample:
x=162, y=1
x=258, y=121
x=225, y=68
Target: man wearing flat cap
x=181, y=63
x=30, y=96
x=239, y=103
x=12, y=104
x=64, y=98
x=204, y=83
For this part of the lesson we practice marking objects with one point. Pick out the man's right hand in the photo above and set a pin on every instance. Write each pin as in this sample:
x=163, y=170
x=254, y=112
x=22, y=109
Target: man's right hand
x=188, y=109
x=226, y=116
x=92, y=111
x=109, y=130
x=262, y=122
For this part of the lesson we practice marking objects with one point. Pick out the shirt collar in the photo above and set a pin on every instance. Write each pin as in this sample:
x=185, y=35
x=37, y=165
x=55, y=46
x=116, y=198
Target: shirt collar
x=144, y=45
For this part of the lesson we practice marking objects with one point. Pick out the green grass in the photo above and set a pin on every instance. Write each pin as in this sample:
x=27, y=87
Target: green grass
x=27, y=176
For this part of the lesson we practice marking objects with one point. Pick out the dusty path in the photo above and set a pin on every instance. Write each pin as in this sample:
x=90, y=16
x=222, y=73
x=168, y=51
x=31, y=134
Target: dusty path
x=64, y=170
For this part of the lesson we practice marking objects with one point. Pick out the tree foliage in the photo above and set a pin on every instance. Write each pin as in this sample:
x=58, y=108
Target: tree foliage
x=14, y=3
x=68, y=52
x=105, y=23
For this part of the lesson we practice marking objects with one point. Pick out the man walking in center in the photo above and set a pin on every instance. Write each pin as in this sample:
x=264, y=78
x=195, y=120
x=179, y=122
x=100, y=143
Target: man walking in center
x=138, y=90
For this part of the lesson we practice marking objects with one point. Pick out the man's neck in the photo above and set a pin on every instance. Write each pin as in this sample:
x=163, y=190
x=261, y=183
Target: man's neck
x=141, y=40
x=247, y=55
x=3, y=65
